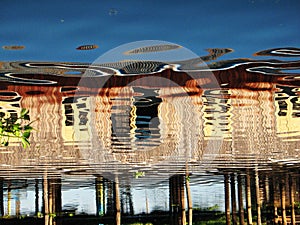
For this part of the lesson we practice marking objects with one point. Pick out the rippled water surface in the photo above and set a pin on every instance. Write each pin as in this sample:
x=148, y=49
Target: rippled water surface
x=149, y=130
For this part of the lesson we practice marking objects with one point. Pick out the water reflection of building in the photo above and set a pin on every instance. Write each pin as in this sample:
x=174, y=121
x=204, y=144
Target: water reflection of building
x=177, y=128
x=70, y=126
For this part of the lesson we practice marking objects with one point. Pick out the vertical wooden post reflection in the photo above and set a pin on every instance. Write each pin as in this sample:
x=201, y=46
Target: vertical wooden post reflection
x=258, y=202
x=283, y=195
x=171, y=199
x=248, y=199
x=189, y=199
x=1, y=198
x=122, y=203
x=45, y=196
x=227, y=198
x=54, y=196
x=147, y=203
x=267, y=189
x=58, y=199
x=233, y=199
x=131, y=209
x=50, y=200
x=8, y=198
x=181, y=179
x=271, y=216
x=126, y=201
x=99, y=183
x=292, y=199
x=36, y=197
x=240, y=198
x=268, y=195
x=52, y=204
x=110, y=199
x=275, y=200
x=17, y=203
x=117, y=202
x=177, y=200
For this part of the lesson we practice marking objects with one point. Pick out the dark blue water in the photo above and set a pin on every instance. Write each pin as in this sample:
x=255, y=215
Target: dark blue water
x=51, y=30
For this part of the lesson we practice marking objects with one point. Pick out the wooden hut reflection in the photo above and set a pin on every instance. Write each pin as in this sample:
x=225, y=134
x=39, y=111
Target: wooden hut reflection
x=107, y=131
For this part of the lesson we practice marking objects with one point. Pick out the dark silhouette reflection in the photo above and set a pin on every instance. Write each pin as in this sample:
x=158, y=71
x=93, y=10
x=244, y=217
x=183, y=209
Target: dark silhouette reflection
x=241, y=200
x=189, y=197
x=1, y=198
x=177, y=200
x=233, y=199
x=36, y=197
x=227, y=198
x=248, y=198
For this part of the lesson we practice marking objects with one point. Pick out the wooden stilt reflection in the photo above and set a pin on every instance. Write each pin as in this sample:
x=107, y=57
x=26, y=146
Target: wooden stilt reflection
x=147, y=203
x=54, y=196
x=240, y=198
x=52, y=202
x=1, y=198
x=227, y=199
x=267, y=190
x=17, y=203
x=36, y=197
x=283, y=197
x=117, y=202
x=189, y=199
x=233, y=199
x=258, y=200
x=248, y=199
x=8, y=198
x=131, y=209
x=275, y=198
x=45, y=200
x=268, y=196
x=177, y=200
x=99, y=183
x=170, y=200
x=127, y=202
x=123, y=204
x=182, y=198
x=271, y=217
x=292, y=199
x=110, y=199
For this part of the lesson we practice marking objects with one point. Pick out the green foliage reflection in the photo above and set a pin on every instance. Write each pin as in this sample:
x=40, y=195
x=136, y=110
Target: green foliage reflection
x=15, y=127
